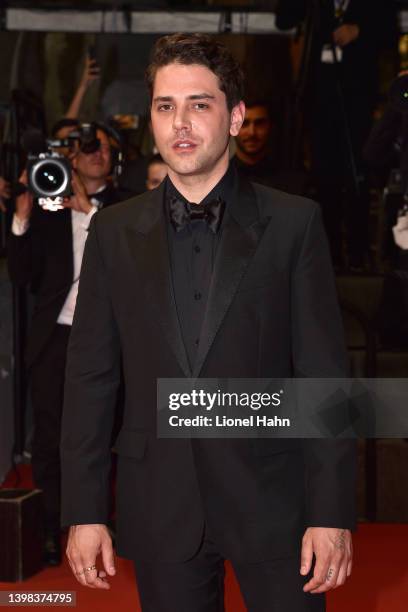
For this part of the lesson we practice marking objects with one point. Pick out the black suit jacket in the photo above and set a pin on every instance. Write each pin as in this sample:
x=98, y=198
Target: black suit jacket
x=43, y=259
x=272, y=312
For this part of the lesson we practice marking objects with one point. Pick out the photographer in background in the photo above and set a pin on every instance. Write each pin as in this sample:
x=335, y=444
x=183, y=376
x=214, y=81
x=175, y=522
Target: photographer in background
x=342, y=74
x=45, y=251
x=387, y=150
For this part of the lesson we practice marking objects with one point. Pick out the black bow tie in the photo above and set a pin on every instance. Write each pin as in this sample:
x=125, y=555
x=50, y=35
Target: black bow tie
x=181, y=213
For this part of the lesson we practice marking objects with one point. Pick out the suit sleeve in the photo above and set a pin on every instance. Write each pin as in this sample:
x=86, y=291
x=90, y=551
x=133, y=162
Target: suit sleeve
x=25, y=256
x=91, y=386
x=319, y=352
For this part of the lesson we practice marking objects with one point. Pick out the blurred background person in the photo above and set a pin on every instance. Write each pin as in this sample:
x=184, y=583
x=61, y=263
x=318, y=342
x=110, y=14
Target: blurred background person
x=386, y=151
x=156, y=171
x=253, y=156
x=257, y=150
x=345, y=38
x=45, y=252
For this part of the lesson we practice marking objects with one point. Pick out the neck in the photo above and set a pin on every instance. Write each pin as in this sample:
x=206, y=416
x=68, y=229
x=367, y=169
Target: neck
x=92, y=185
x=195, y=187
x=250, y=160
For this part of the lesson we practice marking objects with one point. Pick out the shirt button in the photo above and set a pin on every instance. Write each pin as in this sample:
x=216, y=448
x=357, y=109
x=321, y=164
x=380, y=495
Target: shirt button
x=197, y=295
x=197, y=249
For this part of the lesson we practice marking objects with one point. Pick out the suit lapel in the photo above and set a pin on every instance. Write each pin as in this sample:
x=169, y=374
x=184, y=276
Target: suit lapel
x=239, y=240
x=148, y=244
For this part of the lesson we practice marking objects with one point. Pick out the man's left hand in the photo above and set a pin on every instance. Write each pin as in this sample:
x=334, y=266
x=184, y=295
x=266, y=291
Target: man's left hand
x=346, y=34
x=79, y=201
x=333, y=550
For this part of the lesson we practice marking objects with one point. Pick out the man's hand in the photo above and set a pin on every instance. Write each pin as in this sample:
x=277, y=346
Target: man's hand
x=91, y=72
x=85, y=543
x=333, y=550
x=346, y=34
x=79, y=201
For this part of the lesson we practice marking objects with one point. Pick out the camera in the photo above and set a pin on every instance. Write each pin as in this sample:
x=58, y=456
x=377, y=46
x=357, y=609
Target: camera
x=49, y=172
x=86, y=138
x=49, y=179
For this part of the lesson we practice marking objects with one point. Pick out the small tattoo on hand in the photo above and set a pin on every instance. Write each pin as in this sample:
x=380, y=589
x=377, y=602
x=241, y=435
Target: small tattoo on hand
x=340, y=543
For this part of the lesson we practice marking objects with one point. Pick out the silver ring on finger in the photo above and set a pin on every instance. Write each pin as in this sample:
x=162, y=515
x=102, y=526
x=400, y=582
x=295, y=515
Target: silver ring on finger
x=86, y=569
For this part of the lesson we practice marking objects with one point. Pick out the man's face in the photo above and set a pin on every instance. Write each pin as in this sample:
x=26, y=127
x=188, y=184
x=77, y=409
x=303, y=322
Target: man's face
x=254, y=134
x=156, y=173
x=190, y=119
x=96, y=165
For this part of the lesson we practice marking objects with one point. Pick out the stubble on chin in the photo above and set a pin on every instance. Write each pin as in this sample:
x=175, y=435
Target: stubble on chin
x=185, y=167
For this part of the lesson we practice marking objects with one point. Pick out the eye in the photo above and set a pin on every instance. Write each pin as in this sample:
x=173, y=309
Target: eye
x=201, y=106
x=164, y=107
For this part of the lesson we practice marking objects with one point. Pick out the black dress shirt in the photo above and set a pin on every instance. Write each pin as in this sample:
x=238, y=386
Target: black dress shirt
x=192, y=256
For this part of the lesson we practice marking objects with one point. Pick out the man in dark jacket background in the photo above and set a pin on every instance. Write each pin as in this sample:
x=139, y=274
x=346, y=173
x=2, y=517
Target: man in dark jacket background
x=45, y=252
x=340, y=94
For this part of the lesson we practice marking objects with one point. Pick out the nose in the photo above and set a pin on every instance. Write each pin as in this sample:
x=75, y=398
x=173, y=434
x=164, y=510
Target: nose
x=251, y=128
x=181, y=120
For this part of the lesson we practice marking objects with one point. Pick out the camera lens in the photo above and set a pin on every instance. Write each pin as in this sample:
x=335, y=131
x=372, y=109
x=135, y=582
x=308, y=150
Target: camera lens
x=50, y=178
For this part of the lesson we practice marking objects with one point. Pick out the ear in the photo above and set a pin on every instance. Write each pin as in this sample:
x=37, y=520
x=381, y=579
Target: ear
x=237, y=118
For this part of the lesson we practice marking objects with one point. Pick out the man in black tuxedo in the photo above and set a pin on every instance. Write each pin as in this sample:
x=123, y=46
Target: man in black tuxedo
x=45, y=251
x=207, y=276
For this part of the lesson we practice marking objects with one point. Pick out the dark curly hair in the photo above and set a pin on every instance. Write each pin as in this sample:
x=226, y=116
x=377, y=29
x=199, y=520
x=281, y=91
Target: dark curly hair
x=201, y=49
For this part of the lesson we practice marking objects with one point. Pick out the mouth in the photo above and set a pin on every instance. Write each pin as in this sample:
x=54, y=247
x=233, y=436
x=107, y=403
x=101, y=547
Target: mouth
x=184, y=146
x=251, y=141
